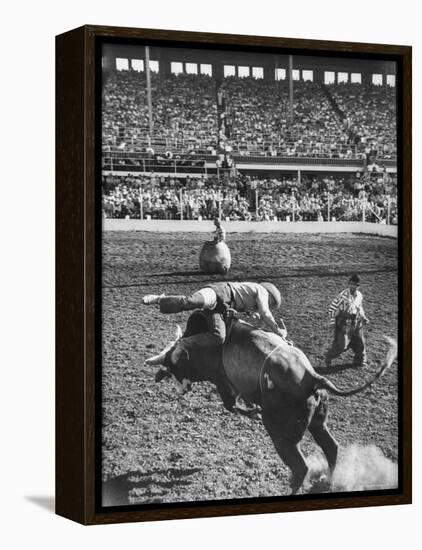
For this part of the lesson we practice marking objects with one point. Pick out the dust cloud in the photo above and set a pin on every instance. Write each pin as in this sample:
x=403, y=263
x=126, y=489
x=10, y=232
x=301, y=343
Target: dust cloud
x=359, y=468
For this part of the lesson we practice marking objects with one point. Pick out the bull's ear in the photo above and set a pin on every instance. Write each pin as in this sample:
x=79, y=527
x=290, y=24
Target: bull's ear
x=179, y=332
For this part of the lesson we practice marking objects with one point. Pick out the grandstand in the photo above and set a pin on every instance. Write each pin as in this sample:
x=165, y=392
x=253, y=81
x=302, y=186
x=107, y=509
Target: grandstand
x=197, y=133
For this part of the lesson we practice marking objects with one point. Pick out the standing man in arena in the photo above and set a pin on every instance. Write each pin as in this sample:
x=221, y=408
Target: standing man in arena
x=220, y=232
x=350, y=303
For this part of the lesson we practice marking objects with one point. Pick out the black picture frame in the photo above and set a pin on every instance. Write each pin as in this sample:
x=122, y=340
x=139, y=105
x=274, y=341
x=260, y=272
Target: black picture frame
x=78, y=272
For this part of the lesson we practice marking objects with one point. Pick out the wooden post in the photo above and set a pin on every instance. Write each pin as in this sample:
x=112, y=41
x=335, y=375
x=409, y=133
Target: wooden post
x=181, y=204
x=219, y=204
x=149, y=98
x=141, y=203
x=363, y=206
x=328, y=207
x=256, y=202
x=388, y=209
x=291, y=89
x=293, y=207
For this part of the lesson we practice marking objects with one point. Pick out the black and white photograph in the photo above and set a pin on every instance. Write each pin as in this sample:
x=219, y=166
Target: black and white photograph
x=250, y=275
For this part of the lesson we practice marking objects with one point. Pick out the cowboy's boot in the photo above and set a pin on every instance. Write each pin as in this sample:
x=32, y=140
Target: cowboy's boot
x=172, y=304
x=150, y=299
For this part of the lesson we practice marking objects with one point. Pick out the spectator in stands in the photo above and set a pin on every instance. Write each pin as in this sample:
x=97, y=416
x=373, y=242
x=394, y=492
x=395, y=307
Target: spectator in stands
x=360, y=122
x=277, y=199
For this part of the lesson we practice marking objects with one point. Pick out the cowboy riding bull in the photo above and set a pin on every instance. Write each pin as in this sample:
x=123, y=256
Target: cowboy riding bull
x=268, y=371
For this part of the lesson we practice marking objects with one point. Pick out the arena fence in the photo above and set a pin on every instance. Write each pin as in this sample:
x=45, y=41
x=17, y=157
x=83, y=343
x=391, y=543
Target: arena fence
x=194, y=226
x=206, y=164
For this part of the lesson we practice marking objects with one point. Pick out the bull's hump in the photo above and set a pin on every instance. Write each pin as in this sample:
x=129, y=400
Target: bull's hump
x=268, y=341
x=262, y=340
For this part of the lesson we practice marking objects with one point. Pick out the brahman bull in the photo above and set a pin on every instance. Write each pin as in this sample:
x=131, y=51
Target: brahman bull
x=268, y=371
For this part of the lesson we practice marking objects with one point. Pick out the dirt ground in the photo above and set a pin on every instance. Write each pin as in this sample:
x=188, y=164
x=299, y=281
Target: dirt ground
x=161, y=446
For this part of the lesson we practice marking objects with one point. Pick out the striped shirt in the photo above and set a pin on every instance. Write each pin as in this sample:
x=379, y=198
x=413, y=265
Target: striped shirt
x=220, y=234
x=346, y=301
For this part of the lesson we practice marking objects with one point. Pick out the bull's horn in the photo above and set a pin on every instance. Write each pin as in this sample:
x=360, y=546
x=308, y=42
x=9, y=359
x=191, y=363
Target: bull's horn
x=156, y=360
x=179, y=332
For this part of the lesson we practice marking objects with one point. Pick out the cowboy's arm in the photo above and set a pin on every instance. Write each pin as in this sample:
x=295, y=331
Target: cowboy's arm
x=362, y=311
x=269, y=321
x=267, y=317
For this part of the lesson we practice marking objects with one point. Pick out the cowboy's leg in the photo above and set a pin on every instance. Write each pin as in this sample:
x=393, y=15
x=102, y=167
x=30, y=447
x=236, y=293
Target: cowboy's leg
x=216, y=326
x=338, y=345
x=215, y=336
x=205, y=298
x=357, y=344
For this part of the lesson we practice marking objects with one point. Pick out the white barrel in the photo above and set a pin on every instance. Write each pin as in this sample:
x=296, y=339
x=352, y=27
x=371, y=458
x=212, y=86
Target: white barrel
x=215, y=258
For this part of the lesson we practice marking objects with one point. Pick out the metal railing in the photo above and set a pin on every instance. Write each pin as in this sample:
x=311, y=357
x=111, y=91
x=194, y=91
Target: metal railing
x=120, y=161
x=162, y=143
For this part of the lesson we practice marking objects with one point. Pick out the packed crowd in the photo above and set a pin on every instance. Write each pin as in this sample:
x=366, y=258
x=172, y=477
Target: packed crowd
x=260, y=112
x=369, y=116
x=184, y=112
x=185, y=117
x=245, y=198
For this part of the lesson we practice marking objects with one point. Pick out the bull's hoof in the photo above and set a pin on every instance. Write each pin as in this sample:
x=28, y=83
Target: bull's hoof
x=162, y=374
x=246, y=409
x=296, y=487
x=253, y=414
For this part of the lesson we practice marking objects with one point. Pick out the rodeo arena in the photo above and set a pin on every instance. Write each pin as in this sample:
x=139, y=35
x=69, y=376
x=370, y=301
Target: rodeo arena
x=250, y=275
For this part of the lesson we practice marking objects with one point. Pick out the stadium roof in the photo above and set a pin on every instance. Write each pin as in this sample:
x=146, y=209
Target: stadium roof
x=250, y=58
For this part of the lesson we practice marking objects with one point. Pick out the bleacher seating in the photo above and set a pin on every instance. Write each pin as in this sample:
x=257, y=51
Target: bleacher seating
x=185, y=118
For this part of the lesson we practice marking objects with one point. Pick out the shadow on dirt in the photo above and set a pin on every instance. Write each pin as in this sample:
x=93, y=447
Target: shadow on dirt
x=293, y=274
x=144, y=487
x=178, y=273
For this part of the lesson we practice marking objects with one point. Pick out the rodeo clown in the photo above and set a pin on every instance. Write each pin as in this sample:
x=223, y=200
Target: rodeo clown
x=348, y=304
x=217, y=299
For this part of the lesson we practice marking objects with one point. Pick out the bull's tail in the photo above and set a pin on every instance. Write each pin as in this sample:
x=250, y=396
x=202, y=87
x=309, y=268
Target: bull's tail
x=323, y=382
